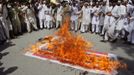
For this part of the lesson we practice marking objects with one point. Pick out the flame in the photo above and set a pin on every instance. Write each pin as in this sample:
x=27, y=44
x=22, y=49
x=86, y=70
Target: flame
x=72, y=49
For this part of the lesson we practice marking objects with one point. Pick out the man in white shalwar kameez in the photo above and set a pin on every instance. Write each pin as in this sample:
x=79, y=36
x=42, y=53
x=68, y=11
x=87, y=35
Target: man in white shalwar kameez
x=131, y=23
x=85, y=18
x=102, y=16
x=30, y=18
x=95, y=19
x=49, y=18
x=74, y=17
x=113, y=21
x=41, y=14
x=109, y=22
x=122, y=20
x=108, y=9
x=59, y=14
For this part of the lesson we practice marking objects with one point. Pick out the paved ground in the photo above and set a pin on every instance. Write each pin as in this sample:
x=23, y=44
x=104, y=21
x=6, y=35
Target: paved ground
x=14, y=62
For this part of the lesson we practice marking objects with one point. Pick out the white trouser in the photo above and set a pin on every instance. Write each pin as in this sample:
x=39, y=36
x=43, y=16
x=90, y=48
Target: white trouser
x=28, y=25
x=42, y=22
x=106, y=36
x=58, y=23
x=131, y=37
x=106, y=24
x=48, y=24
x=95, y=24
x=104, y=29
x=95, y=28
x=30, y=22
x=84, y=27
x=74, y=25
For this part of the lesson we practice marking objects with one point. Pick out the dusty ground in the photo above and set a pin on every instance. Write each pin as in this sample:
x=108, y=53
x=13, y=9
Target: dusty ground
x=14, y=62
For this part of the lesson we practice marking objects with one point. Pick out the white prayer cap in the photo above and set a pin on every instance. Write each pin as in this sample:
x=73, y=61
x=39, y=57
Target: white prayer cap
x=54, y=1
x=119, y=1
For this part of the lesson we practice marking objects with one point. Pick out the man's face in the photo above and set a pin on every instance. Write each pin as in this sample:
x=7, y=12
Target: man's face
x=74, y=4
x=85, y=5
x=44, y=2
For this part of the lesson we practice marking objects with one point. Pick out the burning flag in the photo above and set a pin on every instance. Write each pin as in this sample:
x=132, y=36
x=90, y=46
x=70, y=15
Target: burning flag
x=72, y=49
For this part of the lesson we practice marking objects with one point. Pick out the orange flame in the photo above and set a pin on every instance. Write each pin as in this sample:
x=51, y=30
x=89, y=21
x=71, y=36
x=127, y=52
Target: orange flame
x=69, y=48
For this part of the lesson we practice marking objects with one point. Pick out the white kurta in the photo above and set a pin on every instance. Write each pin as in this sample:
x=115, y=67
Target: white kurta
x=86, y=12
x=30, y=19
x=59, y=16
x=41, y=14
x=48, y=14
x=74, y=18
x=106, y=20
x=85, y=17
x=113, y=21
x=122, y=13
x=95, y=19
x=41, y=9
x=74, y=12
x=131, y=25
x=49, y=18
x=59, y=13
x=102, y=11
x=89, y=14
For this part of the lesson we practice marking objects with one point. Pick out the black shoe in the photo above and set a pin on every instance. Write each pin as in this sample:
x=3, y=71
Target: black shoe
x=41, y=28
x=92, y=32
x=113, y=41
x=96, y=33
x=75, y=31
x=20, y=34
x=103, y=41
x=126, y=42
x=82, y=32
x=36, y=29
x=101, y=35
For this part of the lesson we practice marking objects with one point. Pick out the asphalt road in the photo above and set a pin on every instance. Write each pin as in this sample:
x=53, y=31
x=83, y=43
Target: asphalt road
x=14, y=62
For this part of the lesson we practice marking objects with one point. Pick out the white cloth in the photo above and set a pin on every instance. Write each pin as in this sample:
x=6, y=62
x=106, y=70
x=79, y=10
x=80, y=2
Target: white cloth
x=48, y=14
x=122, y=14
x=102, y=17
x=74, y=13
x=115, y=11
x=30, y=19
x=108, y=9
x=41, y=13
x=131, y=25
x=113, y=21
x=95, y=19
x=85, y=18
x=109, y=22
x=74, y=18
x=59, y=16
x=49, y=18
x=59, y=13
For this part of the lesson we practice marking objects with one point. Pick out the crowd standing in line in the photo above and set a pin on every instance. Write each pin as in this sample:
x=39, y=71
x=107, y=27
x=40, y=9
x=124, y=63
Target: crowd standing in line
x=111, y=20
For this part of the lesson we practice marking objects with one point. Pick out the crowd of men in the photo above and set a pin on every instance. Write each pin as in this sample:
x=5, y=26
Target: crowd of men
x=111, y=20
